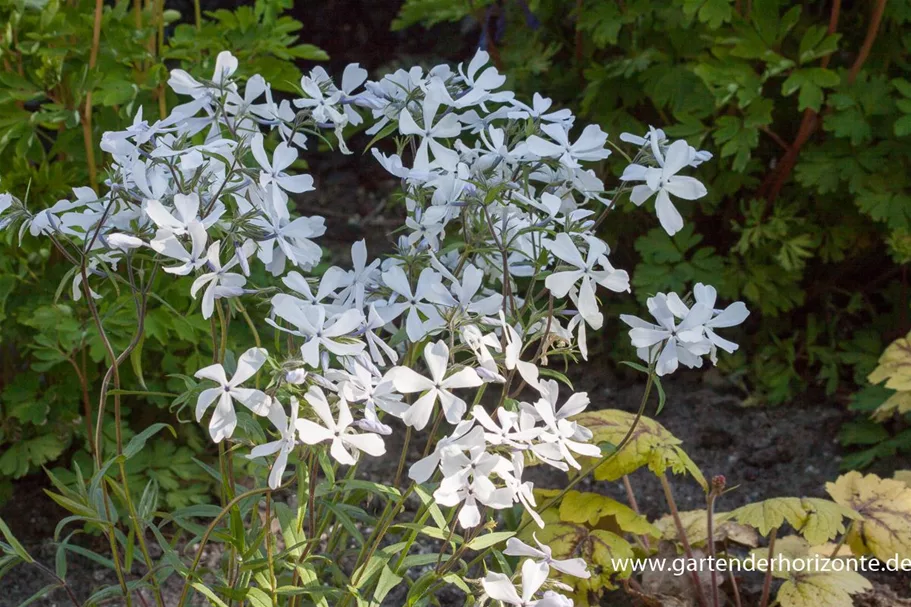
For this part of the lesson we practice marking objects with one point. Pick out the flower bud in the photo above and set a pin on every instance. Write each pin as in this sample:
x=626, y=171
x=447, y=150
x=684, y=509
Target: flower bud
x=296, y=376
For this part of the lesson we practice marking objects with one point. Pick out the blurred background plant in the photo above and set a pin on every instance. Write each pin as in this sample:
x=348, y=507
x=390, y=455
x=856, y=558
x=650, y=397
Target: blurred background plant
x=68, y=72
x=807, y=106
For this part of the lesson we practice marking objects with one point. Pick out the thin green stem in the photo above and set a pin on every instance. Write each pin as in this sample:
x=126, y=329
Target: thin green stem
x=208, y=532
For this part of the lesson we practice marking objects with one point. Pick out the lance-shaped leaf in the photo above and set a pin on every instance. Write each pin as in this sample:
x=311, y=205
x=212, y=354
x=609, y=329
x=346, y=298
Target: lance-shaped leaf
x=885, y=509
x=649, y=445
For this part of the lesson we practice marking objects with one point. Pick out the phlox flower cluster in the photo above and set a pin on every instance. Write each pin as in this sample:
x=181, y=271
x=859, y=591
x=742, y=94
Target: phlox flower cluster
x=498, y=265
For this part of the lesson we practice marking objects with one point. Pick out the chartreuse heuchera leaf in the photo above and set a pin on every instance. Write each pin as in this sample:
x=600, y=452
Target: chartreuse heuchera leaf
x=816, y=519
x=807, y=586
x=649, y=445
x=884, y=506
x=600, y=547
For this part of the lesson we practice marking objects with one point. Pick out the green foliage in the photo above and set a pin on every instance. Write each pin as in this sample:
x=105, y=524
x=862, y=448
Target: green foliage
x=52, y=357
x=811, y=137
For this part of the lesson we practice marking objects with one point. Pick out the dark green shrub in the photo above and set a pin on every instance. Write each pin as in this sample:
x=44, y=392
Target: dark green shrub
x=58, y=92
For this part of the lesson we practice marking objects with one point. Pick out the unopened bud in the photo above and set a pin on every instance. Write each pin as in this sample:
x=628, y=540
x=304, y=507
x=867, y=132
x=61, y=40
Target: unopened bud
x=296, y=377
x=718, y=483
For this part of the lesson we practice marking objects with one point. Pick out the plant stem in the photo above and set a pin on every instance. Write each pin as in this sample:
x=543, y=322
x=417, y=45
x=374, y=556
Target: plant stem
x=140, y=536
x=401, y=466
x=631, y=497
x=767, y=581
x=733, y=580
x=205, y=537
x=87, y=106
x=681, y=533
x=841, y=541
x=272, y=582
x=60, y=580
x=710, y=542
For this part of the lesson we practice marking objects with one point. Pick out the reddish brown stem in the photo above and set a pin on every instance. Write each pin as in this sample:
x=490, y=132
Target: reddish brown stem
x=872, y=31
x=631, y=498
x=681, y=533
x=767, y=582
x=776, y=179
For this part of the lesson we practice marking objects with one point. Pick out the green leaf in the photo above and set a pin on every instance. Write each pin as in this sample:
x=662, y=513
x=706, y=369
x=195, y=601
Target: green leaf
x=902, y=126
x=735, y=140
x=17, y=548
x=138, y=442
x=149, y=500
x=40, y=594
x=489, y=539
x=712, y=12
x=430, y=503
x=136, y=362
x=257, y=598
x=388, y=580
x=662, y=397
x=209, y=594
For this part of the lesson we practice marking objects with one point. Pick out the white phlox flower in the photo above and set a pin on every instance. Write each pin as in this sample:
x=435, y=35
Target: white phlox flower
x=466, y=481
x=585, y=274
x=665, y=181
x=544, y=556
x=219, y=282
x=345, y=443
x=438, y=386
x=287, y=429
x=167, y=244
x=320, y=332
x=500, y=588
x=224, y=419
x=274, y=171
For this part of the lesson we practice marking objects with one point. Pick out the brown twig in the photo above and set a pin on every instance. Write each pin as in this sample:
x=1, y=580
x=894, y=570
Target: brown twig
x=865, y=48
x=776, y=179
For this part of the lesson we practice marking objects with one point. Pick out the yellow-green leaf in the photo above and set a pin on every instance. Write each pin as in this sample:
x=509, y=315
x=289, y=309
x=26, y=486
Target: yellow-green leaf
x=824, y=519
x=603, y=551
x=895, y=365
x=772, y=513
x=903, y=476
x=885, y=509
x=695, y=525
x=650, y=445
x=590, y=508
x=899, y=403
x=811, y=583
